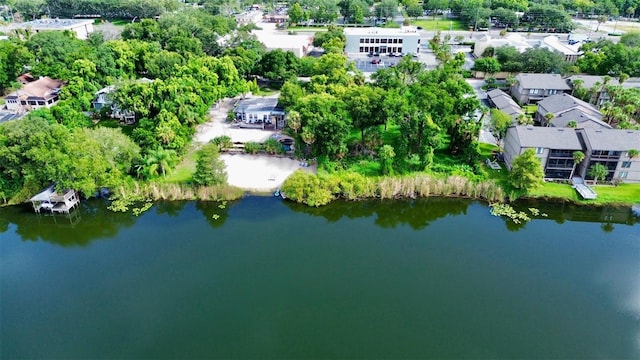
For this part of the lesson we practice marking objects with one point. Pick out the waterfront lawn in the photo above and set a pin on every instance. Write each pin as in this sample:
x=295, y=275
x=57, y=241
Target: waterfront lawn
x=623, y=193
x=607, y=194
x=555, y=190
x=438, y=24
x=183, y=173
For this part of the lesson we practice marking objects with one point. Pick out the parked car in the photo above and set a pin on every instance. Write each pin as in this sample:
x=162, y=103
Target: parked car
x=375, y=61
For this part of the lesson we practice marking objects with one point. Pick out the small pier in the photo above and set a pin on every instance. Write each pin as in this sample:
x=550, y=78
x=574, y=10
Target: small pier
x=585, y=191
x=50, y=200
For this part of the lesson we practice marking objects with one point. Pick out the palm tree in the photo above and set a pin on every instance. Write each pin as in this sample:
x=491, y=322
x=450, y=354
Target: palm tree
x=572, y=124
x=578, y=157
x=608, y=111
x=293, y=120
x=598, y=172
x=622, y=78
x=158, y=160
x=548, y=117
x=524, y=119
x=309, y=138
x=576, y=85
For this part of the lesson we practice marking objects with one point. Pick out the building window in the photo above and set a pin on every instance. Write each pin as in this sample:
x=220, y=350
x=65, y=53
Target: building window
x=539, y=150
x=399, y=41
x=383, y=41
x=377, y=41
x=361, y=41
x=624, y=174
x=534, y=91
x=553, y=92
x=626, y=164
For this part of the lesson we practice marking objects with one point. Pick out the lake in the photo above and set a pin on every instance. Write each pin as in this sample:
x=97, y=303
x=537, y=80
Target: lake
x=263, y=278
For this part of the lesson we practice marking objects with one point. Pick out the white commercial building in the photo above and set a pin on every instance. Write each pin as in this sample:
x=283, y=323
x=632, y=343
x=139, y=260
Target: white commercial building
x=298, y=44
x=569, y=53
x=514, y=40
x=81, y=27
x=405, y=40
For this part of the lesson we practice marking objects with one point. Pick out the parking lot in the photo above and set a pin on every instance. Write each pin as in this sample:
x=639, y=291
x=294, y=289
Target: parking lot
x=364, y=62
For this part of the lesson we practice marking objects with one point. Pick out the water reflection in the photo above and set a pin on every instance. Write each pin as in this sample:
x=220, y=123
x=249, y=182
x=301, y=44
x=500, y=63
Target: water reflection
x=90, y=221
x=418, y=213
x=94, y=221
x=215, y=212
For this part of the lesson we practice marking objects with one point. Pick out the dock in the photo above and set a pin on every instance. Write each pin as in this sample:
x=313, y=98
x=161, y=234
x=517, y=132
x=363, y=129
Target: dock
x=585, y=191
x=50, y=200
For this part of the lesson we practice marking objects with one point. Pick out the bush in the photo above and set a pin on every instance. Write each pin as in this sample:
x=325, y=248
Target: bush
x=252, y=147
x=223, y=142
x=273, y=147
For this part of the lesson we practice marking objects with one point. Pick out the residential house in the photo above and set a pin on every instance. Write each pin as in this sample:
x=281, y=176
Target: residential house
x=34, y=95
x=260, y=113
x=503, y=102
x=566, y=108
x=611, y=147
x=531, y=88
x=24, y=79
x=553, y=146
x=103, y=100
x=594, y=85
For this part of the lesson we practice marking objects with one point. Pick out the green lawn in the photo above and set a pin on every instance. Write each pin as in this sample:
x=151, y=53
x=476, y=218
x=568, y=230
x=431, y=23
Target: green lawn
x=266, y=91
x=530, y=109
x=607, y=194
x=121, y=22
x=113, y=123
x=438, y=24
x=184, y=171
x=486, y=150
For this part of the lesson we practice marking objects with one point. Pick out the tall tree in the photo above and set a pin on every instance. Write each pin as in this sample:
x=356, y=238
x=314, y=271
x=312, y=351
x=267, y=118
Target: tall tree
x=598, y=172
x=526, y=171
x=210, y=169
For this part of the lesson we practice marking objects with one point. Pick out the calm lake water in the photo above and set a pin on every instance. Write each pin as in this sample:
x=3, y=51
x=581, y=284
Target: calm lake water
x=435, y=278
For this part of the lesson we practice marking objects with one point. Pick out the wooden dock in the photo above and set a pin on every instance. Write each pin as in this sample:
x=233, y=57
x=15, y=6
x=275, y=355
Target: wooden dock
x=50, y=200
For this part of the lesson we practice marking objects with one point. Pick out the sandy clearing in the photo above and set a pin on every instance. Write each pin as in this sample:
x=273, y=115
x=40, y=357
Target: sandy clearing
x=260, y=173
x=218, y=126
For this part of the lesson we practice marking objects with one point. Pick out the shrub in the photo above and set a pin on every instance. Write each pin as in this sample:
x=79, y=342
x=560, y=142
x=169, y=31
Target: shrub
x=252, y=147
x=273, y=147
x=223, y=141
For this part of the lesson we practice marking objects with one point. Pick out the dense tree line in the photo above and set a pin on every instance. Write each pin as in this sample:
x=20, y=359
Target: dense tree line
x=109, y=9
x=431, y=110
x=606, y=58
x=62, y=144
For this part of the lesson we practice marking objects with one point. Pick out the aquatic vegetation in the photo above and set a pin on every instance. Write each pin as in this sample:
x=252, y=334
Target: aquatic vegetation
x=517, y=217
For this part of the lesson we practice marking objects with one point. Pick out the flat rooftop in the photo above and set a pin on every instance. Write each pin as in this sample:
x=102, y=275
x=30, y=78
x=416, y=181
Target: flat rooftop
x=54, y=24
x=403, y=31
